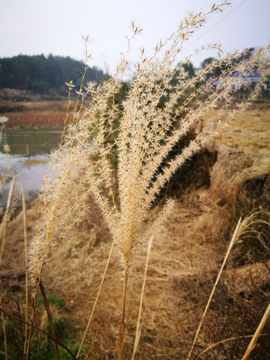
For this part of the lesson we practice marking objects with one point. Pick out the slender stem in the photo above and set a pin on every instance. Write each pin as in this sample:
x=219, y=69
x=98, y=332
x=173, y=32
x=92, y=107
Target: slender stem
x=121, y=337
x=254, y=339
x=32, y=319
x=96, y=301
x=226, y=340
x=5, y=219
x=4, y=327
x=214, y=287
x=50, y=318
x=3, y=235
x=137, y=337
x=26, y=274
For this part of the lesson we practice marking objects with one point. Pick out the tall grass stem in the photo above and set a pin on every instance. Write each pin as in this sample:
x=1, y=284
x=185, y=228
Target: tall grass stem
x=4, y=225
x=96, y=301
x=47, y=306
x=32, y=320
x=215, y=285
x=137, y=337
x=122, y=324
x=255, y=337
x=226, y=340
x=26, y=271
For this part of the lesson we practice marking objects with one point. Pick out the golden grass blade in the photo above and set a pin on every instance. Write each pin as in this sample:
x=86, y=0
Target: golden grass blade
x=226, y=340
x=49, y=317
x=42, y=323
x=215, y=285
x=138, y=330
x=26, y=273
x=4, y=327
x=96, y=301
x=32, y=325
x=122, y=324
x=254, y=339
x=4, y=225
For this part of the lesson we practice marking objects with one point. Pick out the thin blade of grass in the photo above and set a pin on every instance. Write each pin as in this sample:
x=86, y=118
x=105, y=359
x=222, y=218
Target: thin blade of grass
x=226, y=340
x=255, y=337
x=26, y=273
x=96, y=301
x=42, y=323
x=138, y=330
x=4, y=225
x=6, y=355
x=49, y=317
x=215, y=285
x=122, y=324
x=32, y=322
x=4, y=326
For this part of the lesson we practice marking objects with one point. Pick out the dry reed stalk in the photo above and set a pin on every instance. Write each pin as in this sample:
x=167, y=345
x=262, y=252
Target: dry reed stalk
x=4, y=326
x=257, y=333
x=32, y=321
x=138, y=331
x=215, y=285
x=42, y=323
x=26, y=262
x=122, y=323
x=226, y=340
x=6, y=216
x=3, y=233
x=47, y=306
x=96, y=301
x=6, y=355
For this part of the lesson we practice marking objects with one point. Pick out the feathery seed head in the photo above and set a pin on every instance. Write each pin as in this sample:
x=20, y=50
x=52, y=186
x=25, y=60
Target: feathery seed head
x=157, y=112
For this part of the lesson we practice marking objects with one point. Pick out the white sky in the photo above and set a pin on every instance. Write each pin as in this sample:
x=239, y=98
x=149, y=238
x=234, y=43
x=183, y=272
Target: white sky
x=33, y=27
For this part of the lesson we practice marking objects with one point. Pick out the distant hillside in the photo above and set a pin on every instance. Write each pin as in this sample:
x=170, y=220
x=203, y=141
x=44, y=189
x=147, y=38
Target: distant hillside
x=41, y=74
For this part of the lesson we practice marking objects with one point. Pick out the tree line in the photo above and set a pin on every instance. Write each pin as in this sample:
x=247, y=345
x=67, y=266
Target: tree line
x=40, y=74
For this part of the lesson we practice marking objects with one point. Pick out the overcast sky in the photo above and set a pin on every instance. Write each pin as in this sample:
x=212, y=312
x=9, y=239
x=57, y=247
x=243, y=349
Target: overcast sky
x=34, y=27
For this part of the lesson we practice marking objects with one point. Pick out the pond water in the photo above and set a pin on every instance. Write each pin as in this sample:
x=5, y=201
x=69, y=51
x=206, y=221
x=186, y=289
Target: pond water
x=28, y=159
x=30, y=141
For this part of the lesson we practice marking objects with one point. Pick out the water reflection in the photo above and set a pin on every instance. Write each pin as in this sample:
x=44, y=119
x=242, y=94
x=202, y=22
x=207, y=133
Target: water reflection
x=32, y=169
x=30, y=141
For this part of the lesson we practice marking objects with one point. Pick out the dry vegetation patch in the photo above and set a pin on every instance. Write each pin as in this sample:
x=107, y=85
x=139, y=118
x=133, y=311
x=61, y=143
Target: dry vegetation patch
x=185, y=257
x=249, y=131
x=45, y=114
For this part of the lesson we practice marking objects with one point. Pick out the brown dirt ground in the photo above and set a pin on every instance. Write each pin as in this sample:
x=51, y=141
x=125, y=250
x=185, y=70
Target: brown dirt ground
x=185, y=257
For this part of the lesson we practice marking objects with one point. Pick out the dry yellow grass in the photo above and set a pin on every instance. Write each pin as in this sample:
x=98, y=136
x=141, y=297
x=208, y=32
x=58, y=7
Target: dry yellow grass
x=46, y=114
x=249, y=131
x=183, y=262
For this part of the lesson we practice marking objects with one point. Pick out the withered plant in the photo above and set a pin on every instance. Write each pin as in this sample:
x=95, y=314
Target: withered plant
x=162, y=106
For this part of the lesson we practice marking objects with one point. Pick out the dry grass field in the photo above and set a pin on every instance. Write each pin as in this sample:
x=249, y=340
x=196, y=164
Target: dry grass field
x=44, y=114
x=249, y=131
x=185, y=258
